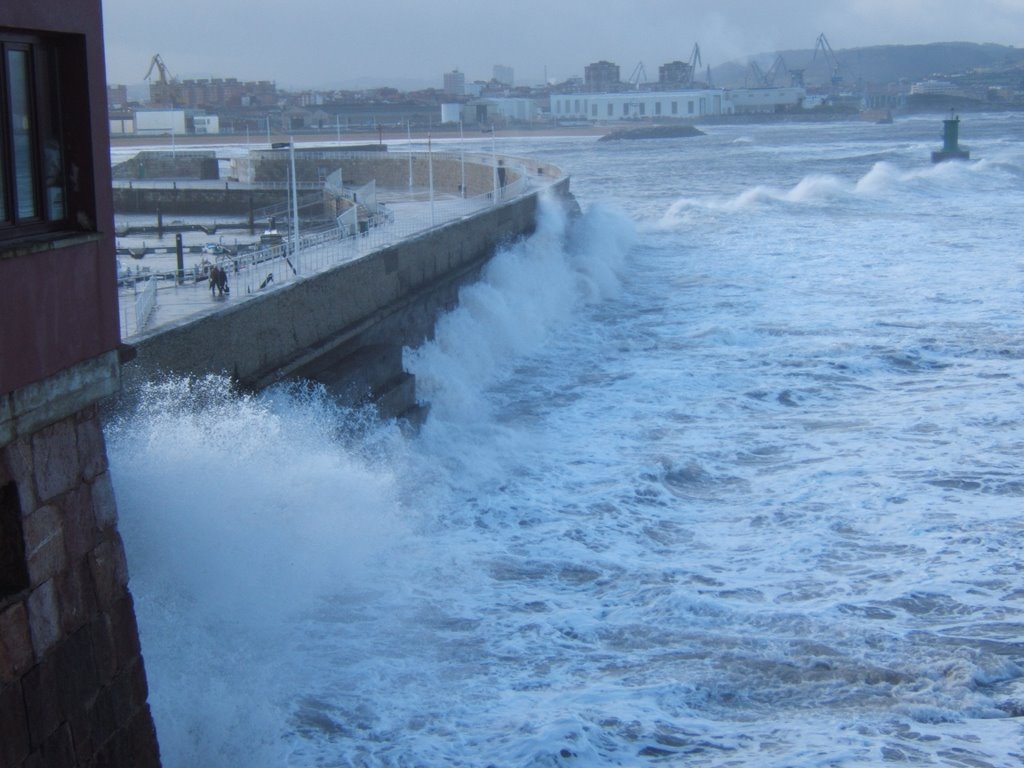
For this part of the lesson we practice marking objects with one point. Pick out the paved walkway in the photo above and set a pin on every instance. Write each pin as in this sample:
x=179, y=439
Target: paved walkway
x=147, y=305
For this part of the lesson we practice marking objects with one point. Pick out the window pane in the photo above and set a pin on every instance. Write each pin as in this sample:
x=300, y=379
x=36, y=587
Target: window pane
x=21, y=134
x=4, y=213
x=54, y=182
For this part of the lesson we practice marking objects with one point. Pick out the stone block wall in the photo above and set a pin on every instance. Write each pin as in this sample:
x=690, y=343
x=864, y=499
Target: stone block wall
x=72, y=683
x=179, y=164
x=229, y=200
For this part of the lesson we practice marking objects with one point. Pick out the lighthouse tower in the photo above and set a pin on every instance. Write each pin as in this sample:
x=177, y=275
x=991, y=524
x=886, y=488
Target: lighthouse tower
x=951, y=149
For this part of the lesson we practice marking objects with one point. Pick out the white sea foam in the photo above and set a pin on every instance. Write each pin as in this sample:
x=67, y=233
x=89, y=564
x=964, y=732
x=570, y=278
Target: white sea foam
x=524, y=295
x=749, y=496
x=238, y=514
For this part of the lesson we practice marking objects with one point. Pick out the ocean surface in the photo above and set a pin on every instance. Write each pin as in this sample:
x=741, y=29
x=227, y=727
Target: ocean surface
x=726, y=472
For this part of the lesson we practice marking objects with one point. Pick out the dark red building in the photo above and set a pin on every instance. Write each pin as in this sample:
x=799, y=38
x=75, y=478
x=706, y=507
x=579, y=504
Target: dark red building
x=57, y=268
x=72, y=684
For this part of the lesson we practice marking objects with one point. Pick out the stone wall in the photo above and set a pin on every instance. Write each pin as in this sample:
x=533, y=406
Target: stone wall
x=72, y=683
x=177, y=164
x=227, y=199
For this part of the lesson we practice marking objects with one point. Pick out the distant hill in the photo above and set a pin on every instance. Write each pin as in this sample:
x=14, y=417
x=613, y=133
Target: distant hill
x=878, y=64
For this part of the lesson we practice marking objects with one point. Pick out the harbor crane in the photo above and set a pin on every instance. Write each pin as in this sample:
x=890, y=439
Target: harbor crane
x=694, y=63
x=764, y=79
x=760, y=78
x=639, y=76
x=830, y=58
x=777, y=68
x=158, y=63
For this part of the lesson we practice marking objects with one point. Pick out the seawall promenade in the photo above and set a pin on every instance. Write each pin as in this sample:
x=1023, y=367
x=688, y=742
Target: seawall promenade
x=333, y=297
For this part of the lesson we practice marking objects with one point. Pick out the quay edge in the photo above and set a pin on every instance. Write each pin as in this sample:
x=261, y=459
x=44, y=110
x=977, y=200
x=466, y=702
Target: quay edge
x=344, y=327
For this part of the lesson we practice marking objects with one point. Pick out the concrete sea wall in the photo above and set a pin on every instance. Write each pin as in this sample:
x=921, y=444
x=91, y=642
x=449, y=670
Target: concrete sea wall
x=389, y=297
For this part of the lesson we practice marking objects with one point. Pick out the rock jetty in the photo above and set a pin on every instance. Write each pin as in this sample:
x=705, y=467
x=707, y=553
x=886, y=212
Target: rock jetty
x=654, y=132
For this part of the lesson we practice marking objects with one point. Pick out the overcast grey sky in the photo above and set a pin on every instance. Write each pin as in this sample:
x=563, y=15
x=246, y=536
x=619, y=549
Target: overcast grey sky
x=317, y=43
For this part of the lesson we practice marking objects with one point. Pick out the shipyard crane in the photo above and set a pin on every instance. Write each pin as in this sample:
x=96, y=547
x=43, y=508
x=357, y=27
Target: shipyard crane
x=158, y=63
x=694, y=63
x=830, y=58
x=764, y=79
x=777, y=68
x=760, y=78
x=639, y=76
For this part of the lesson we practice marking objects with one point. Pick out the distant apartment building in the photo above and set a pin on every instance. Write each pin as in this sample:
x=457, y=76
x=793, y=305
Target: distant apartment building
x=503, y=75
x=675, y=74
x=602, y=77
x=935, y=88
x=943, y=94
x=455, y=83
x=164, y=94
x=117, y=96
x=214, y=93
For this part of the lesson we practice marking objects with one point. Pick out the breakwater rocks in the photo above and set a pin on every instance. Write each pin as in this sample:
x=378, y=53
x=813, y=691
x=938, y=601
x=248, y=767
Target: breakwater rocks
x=654, y=132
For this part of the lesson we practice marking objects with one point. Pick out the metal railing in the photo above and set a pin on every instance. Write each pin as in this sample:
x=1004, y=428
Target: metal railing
x=171, y=296
x=145, y=303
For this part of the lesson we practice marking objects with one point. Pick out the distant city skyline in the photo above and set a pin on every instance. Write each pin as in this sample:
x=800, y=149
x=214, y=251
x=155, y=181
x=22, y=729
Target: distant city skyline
x=315, y=44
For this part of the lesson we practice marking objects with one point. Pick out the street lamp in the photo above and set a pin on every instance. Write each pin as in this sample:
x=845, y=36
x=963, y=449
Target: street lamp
x=294, y=197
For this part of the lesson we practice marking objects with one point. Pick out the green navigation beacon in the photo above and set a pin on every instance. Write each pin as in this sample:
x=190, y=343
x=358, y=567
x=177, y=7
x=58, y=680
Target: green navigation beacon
x=951, y=149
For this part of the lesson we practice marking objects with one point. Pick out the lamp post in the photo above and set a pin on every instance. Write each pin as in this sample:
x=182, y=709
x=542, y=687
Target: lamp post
x=295, y=195
x=430, y=169
x=494, y=162
x=408, y=132
x=293, y=202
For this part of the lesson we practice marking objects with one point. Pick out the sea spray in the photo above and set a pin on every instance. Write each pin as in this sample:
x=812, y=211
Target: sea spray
x=255, y=521
x=882, y=183
x=760, y=508
x=239, y=514
x=526, y=292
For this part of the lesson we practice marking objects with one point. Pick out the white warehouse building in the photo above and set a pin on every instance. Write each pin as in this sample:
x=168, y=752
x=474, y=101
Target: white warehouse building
x=632, y=105
x=638, y=104
x=766, y=99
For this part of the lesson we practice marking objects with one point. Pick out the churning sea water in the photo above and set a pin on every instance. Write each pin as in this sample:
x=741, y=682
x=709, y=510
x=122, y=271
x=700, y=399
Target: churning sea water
x=727, y=472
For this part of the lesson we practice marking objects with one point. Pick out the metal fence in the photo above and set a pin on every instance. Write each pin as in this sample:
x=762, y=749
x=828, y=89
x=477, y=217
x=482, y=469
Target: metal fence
x=169, y=296
x=145, y=303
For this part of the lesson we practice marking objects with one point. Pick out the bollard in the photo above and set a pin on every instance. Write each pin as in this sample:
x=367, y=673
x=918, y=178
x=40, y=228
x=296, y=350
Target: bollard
x=181, y=258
